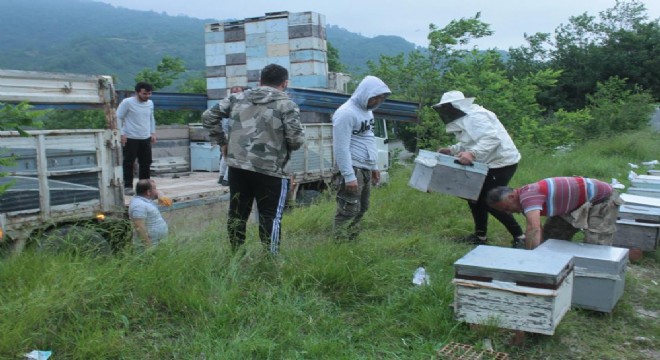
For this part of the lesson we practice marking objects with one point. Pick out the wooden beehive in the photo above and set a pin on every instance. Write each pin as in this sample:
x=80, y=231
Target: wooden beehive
x=636, y=235
x=513, y=288
x=436, y=172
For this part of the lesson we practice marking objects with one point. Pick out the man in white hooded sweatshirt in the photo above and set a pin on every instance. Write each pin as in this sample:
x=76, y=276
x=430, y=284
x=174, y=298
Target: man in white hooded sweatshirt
x=355, y=153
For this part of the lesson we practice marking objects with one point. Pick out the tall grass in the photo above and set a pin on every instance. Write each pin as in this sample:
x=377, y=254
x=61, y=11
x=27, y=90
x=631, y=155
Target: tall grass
x=192, y=298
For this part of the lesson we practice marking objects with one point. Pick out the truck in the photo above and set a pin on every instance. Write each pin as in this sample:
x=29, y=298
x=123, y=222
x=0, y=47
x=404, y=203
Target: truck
x=311, y=166
x=62, y=182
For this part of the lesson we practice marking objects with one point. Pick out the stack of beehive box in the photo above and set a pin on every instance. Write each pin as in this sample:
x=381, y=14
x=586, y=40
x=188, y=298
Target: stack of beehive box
x=236, y=51
x=638, y=226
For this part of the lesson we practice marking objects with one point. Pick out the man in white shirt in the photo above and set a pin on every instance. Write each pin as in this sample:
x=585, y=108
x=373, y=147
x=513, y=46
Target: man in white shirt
x=137, y=127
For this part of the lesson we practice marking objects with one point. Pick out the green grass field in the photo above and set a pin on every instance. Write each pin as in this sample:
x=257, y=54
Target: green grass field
x=193, y=299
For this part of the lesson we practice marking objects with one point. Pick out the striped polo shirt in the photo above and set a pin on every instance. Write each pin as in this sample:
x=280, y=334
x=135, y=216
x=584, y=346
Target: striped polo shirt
x=561, y=195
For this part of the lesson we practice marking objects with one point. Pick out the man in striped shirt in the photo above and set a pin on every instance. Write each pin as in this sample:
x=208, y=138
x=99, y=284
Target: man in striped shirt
x=570, y=203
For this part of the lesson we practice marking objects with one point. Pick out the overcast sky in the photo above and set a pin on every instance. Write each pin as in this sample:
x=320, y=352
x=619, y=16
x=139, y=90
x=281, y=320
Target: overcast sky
x=509, y=19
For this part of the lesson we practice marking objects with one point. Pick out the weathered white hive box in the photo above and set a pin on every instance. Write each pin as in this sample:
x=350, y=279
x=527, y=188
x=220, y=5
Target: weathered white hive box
x=513, y=288
x=633, y=234
x=640, y=213
x=599, y=272
x=643, y=191
x=646, y=182
x=638, y=227
x=436, y=172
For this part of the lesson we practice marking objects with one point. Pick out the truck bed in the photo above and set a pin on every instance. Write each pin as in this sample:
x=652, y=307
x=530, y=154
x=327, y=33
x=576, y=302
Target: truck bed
x=190, y=188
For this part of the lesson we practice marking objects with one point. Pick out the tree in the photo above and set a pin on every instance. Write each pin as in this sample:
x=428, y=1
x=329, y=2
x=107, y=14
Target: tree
x=590, y=49
x=17, y=117
x=615, y=108
x=334, y=64
x=195, y=85
x=450, y=65
x=166, y=72
x=634, y=55
x=14, y=118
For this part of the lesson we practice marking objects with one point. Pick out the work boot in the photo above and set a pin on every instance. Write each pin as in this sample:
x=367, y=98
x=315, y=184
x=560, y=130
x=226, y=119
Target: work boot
x=518, y=242
x=473, y=239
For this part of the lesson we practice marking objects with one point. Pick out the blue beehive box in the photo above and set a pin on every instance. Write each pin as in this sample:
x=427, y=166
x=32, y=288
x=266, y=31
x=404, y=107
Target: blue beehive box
x=435, y=172
x=204, y=157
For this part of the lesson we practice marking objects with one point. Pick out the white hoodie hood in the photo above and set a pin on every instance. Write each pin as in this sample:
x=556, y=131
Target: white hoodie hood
x=353, y=123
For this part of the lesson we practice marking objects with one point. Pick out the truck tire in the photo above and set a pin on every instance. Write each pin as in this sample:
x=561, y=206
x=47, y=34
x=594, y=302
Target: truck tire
x=74, y=239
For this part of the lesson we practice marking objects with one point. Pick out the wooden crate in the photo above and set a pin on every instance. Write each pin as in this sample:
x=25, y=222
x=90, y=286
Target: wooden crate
x=436, y=172
x=646, y=182
x=599, y=272
x=513, y=288
x=640, y=213
x=636, y=235
x=642, y=191
x=631, y=199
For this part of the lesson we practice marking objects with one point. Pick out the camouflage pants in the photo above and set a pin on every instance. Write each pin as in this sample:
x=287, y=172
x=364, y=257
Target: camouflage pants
x=351, y=205
x=598, y=221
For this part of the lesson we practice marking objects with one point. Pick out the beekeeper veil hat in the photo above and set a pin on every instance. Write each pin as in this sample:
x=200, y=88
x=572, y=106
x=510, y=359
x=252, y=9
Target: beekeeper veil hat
x=457, y=100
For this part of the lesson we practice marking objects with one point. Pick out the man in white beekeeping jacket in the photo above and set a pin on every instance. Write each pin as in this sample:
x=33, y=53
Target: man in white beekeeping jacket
x=482, y=138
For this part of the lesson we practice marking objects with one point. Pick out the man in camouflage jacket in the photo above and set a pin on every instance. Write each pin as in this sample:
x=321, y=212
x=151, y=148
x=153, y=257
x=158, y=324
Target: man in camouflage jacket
x=265, y=130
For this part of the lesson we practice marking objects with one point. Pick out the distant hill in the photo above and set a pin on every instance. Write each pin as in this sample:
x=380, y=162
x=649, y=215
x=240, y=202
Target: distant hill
x=91, y=37
x=84, y=36
x=355, y=50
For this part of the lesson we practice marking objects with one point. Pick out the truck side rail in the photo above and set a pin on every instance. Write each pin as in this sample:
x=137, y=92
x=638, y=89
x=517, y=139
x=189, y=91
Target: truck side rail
x=307, y=99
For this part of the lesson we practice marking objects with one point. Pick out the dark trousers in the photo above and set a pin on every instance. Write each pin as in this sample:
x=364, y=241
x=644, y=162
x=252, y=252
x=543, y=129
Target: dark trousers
x=494, y=178
x=140, y=150
x=270, y=193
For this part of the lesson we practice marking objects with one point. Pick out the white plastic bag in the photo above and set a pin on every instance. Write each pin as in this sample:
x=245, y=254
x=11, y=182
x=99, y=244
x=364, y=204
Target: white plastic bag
x=617, y=185
x=632, y=175
x=420, y=277
x=38, y=355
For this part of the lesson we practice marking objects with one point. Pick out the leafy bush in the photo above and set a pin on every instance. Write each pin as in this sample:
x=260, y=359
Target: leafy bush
x=616, y=108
